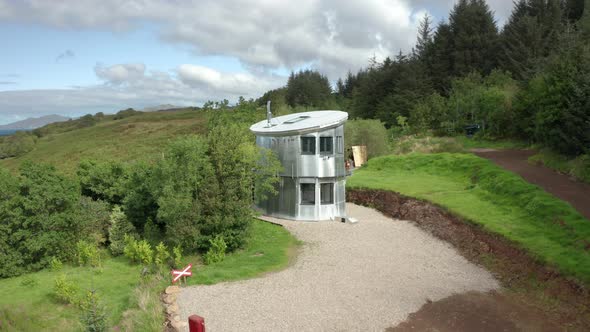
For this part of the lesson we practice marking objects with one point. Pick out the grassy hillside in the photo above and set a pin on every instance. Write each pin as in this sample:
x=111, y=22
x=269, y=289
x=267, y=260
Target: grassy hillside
x=136, y=137
x=502, y=202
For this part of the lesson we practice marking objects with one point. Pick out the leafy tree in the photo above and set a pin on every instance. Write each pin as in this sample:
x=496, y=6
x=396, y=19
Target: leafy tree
x=142, y=190
x=188, y=188
x=371, y=133
x=103, y=180
x=40, y=216
x=238, y=166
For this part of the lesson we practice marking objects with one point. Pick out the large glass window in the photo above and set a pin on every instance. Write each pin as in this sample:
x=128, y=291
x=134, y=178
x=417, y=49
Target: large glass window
x=308, y=145
x=327, y=193
x=308, y=194
x=326, y=145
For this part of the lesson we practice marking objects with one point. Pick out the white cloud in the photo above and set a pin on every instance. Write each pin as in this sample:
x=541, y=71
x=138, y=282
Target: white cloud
x=131, y=85
x=264, y=35
x=122, y=73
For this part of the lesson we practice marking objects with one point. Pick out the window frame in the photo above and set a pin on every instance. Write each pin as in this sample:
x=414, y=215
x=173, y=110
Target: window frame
x=331, y=140
x=331, y=191
x=308, y=185
x=303, y=150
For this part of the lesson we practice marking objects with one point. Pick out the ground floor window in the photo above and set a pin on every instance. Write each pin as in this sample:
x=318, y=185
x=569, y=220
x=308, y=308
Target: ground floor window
x=327, y=193
x=308, y=194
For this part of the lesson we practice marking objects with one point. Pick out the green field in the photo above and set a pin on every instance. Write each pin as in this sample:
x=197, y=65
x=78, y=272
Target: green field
x=26, y=306
x=502, y=202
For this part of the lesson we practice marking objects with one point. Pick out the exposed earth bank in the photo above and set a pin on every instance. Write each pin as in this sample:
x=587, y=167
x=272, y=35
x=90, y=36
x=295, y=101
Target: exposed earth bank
x=536, y=297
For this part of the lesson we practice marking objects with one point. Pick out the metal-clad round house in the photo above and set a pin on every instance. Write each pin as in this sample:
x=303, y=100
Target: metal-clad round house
x=310, y=146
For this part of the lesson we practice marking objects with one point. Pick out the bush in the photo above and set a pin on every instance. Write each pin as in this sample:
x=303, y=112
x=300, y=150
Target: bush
x=55, y=264
x=371, y=133
x=138, y=251
x=65, y=290
x=177, y=251
x=94, y=317
x=161, y=254
x=87, y=254
x=216, y=252
x=120, y=227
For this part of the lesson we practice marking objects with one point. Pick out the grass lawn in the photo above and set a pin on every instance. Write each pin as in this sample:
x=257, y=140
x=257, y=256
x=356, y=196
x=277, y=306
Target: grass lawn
x=270, y=247
x=33, y=308
x=500, y=201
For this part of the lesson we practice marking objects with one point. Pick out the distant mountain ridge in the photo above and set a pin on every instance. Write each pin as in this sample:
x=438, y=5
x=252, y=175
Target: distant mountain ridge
x=32, y=123
x=163, y=107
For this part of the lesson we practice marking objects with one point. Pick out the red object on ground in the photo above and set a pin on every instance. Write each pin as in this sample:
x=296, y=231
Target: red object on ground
x=196, y=323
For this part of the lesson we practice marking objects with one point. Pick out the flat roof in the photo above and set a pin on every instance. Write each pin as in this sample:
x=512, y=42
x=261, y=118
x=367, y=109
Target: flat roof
x=299, y=123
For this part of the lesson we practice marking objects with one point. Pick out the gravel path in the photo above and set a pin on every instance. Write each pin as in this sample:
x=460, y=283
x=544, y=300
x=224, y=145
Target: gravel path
x=348, y=277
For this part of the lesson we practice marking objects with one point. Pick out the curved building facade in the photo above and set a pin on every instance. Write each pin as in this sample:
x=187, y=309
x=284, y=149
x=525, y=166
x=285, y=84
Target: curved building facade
x=310, y=146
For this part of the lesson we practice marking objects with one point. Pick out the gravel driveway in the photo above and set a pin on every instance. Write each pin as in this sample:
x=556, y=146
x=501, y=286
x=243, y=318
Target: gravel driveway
x=348, y=277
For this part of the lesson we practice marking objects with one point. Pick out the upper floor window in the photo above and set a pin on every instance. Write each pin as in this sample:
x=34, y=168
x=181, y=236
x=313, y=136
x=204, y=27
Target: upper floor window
x=307, y=145
x=326, y=145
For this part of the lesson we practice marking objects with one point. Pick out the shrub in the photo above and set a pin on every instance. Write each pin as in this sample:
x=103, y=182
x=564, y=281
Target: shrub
x=161, y=254
x=130, y=248
x=371, y=133
x=120, y=227
x=94, y=317
x=144, y=252
x=87, y=254
x=138, y=251
x=216, y=252
x=65, y=290
x=55, y=264
x=177, y=251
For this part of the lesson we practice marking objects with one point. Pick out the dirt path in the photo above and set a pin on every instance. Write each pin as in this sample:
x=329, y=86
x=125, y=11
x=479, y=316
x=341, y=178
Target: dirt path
x=573, y=192
x=348, y=277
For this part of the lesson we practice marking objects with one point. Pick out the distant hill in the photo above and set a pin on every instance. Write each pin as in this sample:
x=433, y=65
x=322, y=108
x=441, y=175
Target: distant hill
x=32, y=123
x=163, y=107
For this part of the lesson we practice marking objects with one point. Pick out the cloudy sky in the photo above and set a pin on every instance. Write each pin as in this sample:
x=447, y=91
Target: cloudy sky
x=85, y=56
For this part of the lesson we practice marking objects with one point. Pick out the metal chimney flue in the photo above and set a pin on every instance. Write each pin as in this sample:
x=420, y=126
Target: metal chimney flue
x=268, y=114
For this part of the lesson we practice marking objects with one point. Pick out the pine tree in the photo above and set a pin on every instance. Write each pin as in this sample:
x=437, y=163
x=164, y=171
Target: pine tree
x=474, y=37
x=424, y=36
x=438, y=58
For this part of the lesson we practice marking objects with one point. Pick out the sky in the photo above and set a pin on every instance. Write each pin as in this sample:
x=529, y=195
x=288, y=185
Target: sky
x=86, y=56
